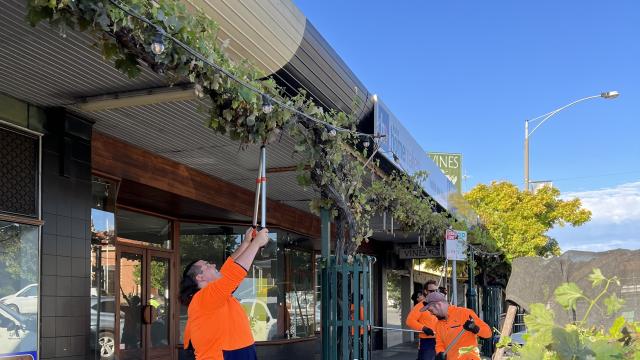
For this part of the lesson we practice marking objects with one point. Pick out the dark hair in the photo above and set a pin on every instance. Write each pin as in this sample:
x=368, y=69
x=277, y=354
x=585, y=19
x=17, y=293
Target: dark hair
x=429, y=282
x=415, y=295
x=188, y=284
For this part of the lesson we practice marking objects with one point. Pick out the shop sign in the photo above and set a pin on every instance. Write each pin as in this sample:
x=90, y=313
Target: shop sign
x=402, y=150
x=420, y=252
x=456, y=244
x=451, y=166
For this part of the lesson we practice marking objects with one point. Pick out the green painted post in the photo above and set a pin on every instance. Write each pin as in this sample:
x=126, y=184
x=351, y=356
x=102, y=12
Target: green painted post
x=356, y=308
x=325, y=236
x=344, y=270
x=367, y=303
x=471, y=290
x=333, y=323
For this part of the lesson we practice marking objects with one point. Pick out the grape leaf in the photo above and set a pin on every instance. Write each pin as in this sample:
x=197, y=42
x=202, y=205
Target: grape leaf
x=596, y=277
x=613, y=303
x=567, y=295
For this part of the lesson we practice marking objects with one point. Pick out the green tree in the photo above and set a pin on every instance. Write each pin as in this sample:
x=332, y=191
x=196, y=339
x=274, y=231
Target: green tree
x=18, y=248
x=159, y=275
x=518, y=221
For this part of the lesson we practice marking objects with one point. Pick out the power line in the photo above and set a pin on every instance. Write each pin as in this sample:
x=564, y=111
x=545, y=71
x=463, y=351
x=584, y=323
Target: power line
x=230, y=75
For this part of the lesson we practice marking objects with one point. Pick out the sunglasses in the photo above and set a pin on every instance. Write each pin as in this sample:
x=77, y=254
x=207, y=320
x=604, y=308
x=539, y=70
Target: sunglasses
x=430, y=291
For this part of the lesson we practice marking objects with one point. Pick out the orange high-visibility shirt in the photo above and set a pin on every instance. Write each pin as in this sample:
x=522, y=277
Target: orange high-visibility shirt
x=361, y=318
x=216, y=320
x=416, y=320
x=447, y=330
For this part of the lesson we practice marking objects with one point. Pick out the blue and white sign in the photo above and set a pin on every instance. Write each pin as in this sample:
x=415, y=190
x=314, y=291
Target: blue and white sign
x=456, y=245
x=401, y=149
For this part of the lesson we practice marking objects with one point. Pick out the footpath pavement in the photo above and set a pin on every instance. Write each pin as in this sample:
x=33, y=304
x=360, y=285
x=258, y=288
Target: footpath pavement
x=405, y=351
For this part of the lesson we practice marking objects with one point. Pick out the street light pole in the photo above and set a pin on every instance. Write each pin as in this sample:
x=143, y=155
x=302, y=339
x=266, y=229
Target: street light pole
x=543, y=119
x=526, y=155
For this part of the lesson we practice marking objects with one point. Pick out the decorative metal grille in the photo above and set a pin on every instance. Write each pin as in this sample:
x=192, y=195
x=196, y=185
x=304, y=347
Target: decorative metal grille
x=18, y=173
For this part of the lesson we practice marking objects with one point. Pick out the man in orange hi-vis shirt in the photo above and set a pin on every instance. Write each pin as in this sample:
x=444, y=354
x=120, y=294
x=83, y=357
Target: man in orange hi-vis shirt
x=425, y=322
x=452, y=321
x=217, y=326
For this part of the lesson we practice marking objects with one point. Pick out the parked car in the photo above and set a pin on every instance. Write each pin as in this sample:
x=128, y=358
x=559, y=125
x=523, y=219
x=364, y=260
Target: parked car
x=24, y=301
x=18, y=332
x=263, y=323
x=106, y=341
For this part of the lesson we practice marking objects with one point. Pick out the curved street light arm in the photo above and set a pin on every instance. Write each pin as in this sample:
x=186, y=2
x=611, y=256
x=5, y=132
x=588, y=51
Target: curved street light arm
x=548, y=115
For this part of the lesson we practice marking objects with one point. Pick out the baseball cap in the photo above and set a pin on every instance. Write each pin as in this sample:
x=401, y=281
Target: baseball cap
x=433, y=297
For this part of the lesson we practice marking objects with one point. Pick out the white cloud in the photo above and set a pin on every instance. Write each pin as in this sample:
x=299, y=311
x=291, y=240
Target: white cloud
x=615, y=220
x=614, y=205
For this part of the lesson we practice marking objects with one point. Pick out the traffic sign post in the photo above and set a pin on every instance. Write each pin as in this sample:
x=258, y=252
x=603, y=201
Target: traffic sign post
x=455, y=246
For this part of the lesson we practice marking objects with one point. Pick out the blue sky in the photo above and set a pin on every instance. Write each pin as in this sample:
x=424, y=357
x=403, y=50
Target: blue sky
x=463, y=76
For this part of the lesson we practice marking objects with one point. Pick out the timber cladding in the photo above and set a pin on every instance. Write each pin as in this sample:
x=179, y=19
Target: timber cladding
x=124, y=161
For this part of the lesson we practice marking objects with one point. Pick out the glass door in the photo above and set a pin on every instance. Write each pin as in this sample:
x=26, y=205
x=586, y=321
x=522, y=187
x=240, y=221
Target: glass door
x=144, y=303
x=159, y=309
x=131, y=301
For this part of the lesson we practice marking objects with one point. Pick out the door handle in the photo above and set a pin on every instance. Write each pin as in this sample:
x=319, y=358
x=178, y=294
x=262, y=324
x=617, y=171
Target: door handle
x=147, y=314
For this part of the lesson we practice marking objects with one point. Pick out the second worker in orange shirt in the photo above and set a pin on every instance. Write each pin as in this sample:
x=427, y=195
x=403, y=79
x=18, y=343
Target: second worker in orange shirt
x=452, y=320
x=425, y=322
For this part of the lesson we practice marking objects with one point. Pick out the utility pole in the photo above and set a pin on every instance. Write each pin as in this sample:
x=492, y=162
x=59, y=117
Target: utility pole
x=526, y=155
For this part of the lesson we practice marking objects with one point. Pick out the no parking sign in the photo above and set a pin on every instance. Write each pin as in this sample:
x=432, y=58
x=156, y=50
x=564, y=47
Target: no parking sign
x=456, y=244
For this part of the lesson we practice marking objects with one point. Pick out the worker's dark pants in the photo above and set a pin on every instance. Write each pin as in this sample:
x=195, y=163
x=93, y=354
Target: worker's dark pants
x=247, y=353
x=427, y=349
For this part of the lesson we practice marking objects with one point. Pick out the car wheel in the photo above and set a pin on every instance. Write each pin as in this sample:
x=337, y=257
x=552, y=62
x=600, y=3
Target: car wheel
x=14, y=307
x=107, y=344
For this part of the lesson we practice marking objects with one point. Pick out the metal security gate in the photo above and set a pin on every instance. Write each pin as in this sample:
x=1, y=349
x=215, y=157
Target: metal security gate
x=492, y=308
x=346, y=308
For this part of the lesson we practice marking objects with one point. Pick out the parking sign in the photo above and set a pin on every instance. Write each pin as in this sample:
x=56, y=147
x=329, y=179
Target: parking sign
x=456, y=244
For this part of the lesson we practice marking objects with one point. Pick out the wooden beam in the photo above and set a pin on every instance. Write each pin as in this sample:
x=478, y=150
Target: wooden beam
x=124, y=161
x=20, y=220
x=506, y=329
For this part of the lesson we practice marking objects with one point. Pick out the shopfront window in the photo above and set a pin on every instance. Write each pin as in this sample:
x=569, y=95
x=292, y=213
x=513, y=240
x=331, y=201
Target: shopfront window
x=278, y=292
x=19, y=272
x=394, y=302
x=143, y=229
x=318, y=290
x=300, y=292
x=103, y=269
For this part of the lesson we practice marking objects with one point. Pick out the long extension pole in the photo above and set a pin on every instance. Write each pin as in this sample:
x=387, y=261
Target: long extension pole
x=256, y=203
x=263, y=180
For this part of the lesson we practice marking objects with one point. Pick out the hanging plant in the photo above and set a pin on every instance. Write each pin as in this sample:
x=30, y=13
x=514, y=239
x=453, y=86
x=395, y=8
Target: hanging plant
x=237, y=93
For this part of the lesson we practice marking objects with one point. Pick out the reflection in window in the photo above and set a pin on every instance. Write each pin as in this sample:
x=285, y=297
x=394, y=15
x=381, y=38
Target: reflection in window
x=159, y=300
x=318, y=293
x=131, y=301
x=143, y=229
x=18, y=287
x=278, y=292
x=300, y=293
x=394, y=299
x=103, y=266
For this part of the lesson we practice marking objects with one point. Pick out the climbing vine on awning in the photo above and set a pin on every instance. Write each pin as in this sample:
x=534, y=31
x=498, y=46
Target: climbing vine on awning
x=333, y=153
